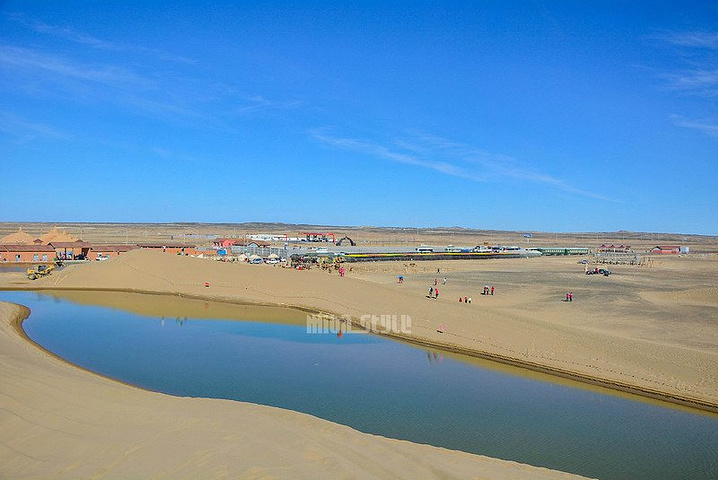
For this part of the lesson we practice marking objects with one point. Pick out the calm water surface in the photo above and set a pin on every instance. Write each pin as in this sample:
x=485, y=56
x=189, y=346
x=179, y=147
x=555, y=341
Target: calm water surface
x=383, y=387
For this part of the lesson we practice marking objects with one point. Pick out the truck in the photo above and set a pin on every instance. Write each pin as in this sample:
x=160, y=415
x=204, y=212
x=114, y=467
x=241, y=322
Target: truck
x=39, y=271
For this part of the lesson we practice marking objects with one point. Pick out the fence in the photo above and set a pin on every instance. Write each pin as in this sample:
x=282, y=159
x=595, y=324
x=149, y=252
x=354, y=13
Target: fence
x=618, y=258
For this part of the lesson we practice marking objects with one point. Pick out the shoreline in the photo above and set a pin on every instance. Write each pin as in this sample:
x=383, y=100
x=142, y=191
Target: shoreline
x=61, y=423
x=24, y=314
x=693, y=403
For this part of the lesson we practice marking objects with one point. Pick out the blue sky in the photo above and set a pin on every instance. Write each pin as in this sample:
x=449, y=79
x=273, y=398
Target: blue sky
x=550, y=116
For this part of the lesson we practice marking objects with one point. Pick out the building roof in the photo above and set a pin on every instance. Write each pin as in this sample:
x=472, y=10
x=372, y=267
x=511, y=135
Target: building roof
x=163, y=245
x=225, y=240
x=17, y=238
x=113, y=248
x=27, y=248
x=76, y=244
x=56, y=235
x=259, y=243
x=242, y=242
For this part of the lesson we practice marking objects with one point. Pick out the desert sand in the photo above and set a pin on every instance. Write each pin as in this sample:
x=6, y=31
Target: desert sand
x=651, y=331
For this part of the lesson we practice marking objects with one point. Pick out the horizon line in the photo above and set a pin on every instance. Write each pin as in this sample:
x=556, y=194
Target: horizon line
x=358, y=227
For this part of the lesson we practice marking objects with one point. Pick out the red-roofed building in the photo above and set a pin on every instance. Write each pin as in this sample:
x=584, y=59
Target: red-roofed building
x=27, y=253
x=224, y=242
x=77, y=250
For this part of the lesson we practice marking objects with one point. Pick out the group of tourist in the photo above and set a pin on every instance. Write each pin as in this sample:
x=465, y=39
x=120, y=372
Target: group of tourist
x=434, y=291
x=488, y=290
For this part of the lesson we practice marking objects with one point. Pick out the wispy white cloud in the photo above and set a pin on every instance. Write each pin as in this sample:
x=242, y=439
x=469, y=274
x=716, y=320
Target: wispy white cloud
x=707, y=40
x=24, y=130
x=451, y=158
x=177, y=99
x=706, y=126
x=258, y=103
x=141, y=93
x=380, y=151
x=20, y=58
x=75, y=36
x=180, y=94
x=71, y=35
x=696, y=70
x=162, y=108
x=699, y=82
x=497, y=166
x=697, y=75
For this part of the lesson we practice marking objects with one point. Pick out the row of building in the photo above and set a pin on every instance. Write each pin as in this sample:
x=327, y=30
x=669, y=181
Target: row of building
x=54, y=245
x=657, y=250
x=79, y=250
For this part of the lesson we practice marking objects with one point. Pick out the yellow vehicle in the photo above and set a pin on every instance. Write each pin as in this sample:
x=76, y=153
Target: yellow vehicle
x=39, y=271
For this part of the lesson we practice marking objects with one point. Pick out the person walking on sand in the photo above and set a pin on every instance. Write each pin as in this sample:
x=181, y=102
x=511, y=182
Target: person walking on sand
x=435, y=282
x=492, y=289
x=431, y=292
x=570, y=296
x=444, y=280
x=469, y=299
x=436, y=293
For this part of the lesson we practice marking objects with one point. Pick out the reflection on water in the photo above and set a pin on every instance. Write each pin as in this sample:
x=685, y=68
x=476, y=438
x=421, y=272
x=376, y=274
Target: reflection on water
x=434, y=356
x=13, y=268
x=178, y=320
x=376, y=385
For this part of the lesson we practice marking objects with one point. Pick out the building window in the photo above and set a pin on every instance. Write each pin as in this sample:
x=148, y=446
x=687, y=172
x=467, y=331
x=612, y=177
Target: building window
x=44, y=257
x=35, y=257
